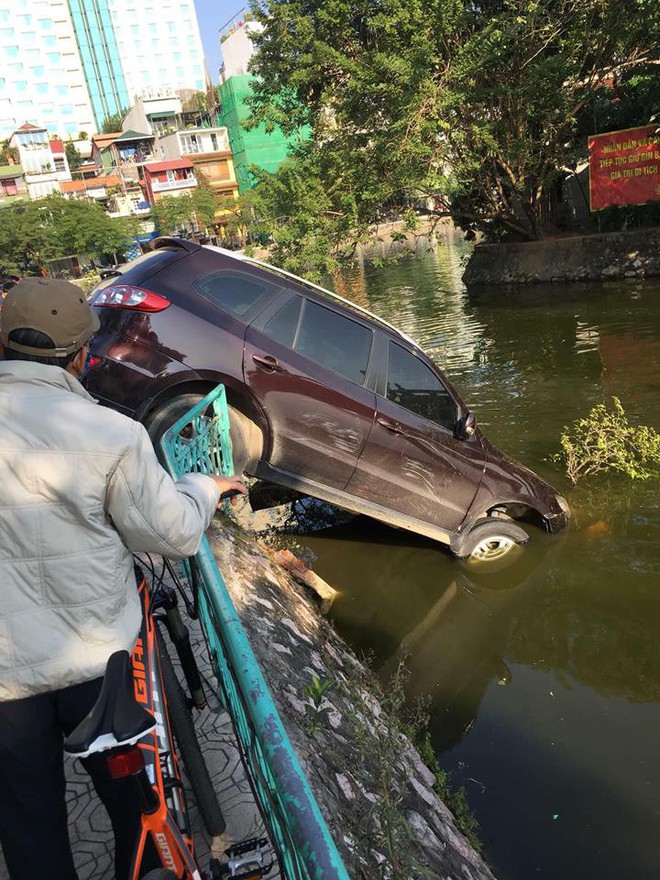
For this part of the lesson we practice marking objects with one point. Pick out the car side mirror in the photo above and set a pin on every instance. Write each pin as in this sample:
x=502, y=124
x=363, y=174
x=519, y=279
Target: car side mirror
x=466, y=426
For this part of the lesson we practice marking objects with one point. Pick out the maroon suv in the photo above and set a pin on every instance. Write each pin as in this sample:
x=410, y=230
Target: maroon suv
x=325, y=398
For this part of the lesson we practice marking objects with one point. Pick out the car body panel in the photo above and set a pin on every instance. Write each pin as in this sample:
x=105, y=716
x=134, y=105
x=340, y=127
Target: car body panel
x=319, y=420
x=417, y=468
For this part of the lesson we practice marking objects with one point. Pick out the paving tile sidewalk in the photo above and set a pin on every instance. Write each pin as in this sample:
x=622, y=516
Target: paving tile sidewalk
x=91, y=834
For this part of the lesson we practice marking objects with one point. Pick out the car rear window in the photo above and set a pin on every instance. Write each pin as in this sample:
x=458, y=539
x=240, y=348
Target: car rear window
x=234, y=292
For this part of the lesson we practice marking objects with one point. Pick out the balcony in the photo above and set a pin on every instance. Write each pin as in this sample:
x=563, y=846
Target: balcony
x=184, y=183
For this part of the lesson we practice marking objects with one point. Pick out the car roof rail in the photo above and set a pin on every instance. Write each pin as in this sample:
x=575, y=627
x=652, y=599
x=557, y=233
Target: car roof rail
x=324, y=290
x=164, y=241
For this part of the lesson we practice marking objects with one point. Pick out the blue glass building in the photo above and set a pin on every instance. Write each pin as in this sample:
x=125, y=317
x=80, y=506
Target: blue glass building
x=97, y=45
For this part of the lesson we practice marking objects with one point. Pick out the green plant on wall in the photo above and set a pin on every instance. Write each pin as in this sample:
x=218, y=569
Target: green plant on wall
x=606, y=442
x=316, y=708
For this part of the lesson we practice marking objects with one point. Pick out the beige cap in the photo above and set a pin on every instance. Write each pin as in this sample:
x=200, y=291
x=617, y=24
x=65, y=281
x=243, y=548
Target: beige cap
x=51, y=306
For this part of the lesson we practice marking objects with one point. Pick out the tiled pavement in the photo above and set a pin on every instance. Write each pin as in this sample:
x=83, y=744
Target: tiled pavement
x=91, y=834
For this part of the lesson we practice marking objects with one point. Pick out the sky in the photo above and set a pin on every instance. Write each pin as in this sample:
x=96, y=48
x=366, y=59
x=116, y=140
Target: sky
x=214, y=15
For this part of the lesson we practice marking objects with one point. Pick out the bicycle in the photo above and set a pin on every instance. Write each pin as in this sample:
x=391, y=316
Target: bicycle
x=141, y=712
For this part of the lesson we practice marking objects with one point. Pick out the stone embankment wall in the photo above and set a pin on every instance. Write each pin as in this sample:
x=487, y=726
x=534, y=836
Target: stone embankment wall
x=389, y=240
x=579, y=258
x=370, y=782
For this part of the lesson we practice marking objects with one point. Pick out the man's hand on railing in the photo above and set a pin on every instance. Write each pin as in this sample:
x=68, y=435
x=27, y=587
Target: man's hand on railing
x=230, y=487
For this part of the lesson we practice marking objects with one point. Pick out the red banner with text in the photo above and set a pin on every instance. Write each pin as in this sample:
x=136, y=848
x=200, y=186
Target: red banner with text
x=624, y=167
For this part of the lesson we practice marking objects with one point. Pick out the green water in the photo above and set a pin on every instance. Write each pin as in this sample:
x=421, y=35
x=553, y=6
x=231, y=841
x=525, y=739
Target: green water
x=544, y=681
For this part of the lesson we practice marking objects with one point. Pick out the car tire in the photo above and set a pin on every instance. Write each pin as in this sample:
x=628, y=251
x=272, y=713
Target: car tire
x=490, y=541
x=246, y=438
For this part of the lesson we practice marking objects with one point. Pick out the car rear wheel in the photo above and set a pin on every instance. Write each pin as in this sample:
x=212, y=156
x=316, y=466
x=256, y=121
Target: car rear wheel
x=492, y=540
x=246, y=438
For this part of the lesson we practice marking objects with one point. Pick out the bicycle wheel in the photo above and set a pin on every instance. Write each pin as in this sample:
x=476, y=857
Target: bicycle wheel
x=188, y=746
x=159, y=874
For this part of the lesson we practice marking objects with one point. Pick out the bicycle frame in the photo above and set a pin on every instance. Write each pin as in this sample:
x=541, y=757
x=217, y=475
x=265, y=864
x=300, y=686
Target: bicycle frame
x=164, y=812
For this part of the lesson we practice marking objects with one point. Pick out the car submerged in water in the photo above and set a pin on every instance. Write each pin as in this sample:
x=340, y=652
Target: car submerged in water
x=324, y=398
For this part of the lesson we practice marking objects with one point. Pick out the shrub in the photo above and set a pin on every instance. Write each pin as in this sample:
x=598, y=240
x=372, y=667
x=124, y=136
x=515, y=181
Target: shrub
x=605, y=441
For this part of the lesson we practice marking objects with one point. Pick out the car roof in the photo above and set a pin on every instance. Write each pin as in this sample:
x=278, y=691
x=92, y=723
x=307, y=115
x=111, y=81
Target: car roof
x=167, y=241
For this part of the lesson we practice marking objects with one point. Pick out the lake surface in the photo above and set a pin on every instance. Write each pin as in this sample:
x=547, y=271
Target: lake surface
x=544, y=679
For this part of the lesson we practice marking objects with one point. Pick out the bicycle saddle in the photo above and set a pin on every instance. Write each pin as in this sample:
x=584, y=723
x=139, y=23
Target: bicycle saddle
x=117, y=719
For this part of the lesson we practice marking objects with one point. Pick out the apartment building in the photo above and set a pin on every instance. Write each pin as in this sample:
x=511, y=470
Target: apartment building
x=69, y=64
x=42, y=167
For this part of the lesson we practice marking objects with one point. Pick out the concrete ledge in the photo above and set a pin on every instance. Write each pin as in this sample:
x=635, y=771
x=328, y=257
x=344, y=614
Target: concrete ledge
x=578, y=258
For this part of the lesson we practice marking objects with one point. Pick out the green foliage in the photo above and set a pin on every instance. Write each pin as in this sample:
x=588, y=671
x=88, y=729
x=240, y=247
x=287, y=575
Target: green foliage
x=316, y=708
x=198, y=101
x=8, y=155
x=33, y=232
x=605, y=442
x=385, y=826
x=195, y=209
x=73, y=156
x=477, y=106
x=305, y=223
x=113, y=122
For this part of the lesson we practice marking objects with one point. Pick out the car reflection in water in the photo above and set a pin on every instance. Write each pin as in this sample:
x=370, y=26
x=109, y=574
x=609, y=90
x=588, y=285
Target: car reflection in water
x=449, y=621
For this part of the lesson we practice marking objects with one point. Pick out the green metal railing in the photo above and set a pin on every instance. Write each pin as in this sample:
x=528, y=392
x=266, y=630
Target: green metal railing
x=199, y=442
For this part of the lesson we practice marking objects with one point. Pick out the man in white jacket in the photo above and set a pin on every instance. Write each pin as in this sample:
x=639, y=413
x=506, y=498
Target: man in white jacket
x=80, y=489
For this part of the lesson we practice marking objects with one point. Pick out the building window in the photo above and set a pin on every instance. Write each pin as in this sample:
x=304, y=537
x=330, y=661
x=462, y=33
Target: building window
x=11, y=51
x=189, y=143
x=214, y=142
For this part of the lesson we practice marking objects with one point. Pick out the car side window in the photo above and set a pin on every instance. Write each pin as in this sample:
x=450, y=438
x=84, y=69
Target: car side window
x=283, y=325
x=233, y=292
x=323, y=336
x=413, y=385
x=336, y=342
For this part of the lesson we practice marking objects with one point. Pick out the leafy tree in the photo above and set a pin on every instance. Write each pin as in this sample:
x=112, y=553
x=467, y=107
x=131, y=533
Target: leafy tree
x=82, y=227
x=114, y=121
x=25, y=237
x=37, y=231
x=196, y=209
x=73, y=156
x=197, y=101
x=8, y=155
x=476, y=106
x=309, y=227
x=173, y=213
x=204, y=200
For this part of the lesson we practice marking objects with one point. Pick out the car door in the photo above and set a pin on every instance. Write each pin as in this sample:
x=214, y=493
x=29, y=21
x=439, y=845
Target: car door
x=412, y=462
x=307, y=366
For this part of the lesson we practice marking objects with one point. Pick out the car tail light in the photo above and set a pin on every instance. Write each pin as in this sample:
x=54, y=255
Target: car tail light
x=125, y=296
x=128, y=763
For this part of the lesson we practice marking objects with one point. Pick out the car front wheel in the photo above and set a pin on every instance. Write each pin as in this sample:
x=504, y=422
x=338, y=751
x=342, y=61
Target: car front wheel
x=492, y=540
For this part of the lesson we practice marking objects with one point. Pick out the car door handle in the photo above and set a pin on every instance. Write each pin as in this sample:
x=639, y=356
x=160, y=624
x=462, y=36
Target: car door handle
x=394, y=427
x=269, y=362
